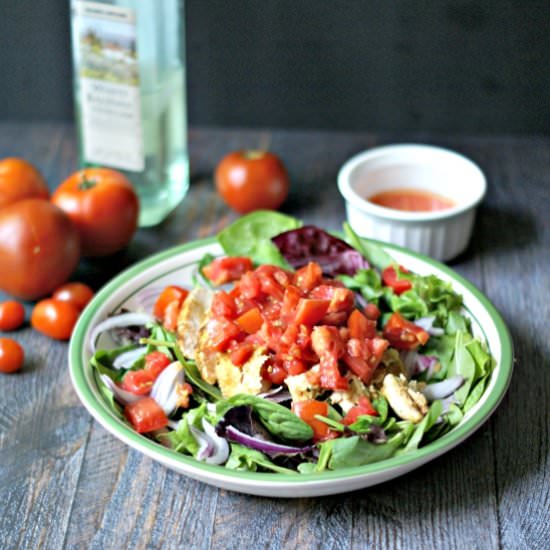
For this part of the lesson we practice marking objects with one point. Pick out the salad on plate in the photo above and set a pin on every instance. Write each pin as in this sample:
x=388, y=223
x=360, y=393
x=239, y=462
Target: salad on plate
x=297, y=351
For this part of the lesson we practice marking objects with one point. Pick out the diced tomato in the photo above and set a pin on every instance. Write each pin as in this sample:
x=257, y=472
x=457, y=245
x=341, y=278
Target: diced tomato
x=156, y=362
x=331, y=378
x=221, y=332
x=363, y=356
x=372, y=312
x=275, y=373
x=327, y=341
x=294, y=366
x=145, y=415
x=403, y=334
x=307, y=410
x=391, y=278
x=241, y=353
x=290, y=302
x=170, y=294
x=138, y=382
x=309, y=311
x=250, y=321
x=308, y=277
x=359, y=367
x=364, y=407
x=223, y=305
x=361, y=327
x=227, y=269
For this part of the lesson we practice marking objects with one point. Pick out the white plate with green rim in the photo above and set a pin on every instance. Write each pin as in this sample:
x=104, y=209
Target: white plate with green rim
x=176, y=266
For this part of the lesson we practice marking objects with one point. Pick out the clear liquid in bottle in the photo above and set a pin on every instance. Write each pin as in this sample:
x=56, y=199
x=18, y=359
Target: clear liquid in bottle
x=129, y=79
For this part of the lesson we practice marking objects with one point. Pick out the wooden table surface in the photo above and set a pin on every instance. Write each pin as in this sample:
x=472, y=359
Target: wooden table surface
x=66, y=482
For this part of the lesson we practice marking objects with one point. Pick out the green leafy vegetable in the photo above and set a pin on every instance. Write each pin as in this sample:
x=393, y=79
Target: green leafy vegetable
x=374, y=253
x=366, y=281
x=198, y=278
x=278, y=420
x=354, y=451
x=102, y=361
x=244, y=458
x=423, y=426
x=182, y=439
x=464, y=365
x=251, y=236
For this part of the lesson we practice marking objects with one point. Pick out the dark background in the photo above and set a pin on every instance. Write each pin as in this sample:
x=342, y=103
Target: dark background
x=443, y=66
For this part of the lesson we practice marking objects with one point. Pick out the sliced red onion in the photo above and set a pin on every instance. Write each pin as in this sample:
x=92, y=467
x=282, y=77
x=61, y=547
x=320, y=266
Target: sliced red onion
x=122, y=396
x=213, y=449
x=447, y=402
x=267, y=447
x=122, y=320
x=173, y=424
x=147, y=297
x=426, y=323
x=277, y=395
x=166, y=390
x=128, y=358
x=415, y=363
x=443, y=389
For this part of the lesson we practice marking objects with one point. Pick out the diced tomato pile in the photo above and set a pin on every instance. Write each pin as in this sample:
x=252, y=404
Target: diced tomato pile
x=302, y=319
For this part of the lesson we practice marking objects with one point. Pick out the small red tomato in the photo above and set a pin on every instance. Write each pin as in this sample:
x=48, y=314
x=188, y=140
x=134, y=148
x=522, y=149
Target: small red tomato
x=252, y=180
x=104, y=207
x=11, y=355
x=20, y=180
x=55, y=318
x=12, y=315
x=78, y=294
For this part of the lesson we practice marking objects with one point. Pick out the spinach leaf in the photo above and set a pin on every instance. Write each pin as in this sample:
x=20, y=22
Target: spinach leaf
x=244, y=458
x=278, y=420
x=307, y=468
x=374, y=253
x=354, y=451
x=251, y=236
x=456, y=322
x=475, y=394
x=483, y=361
x=442, y=347
x=423, y=426
x=464, y=365
x=325, y=452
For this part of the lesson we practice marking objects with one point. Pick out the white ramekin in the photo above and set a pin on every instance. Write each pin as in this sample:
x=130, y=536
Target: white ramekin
x=440, y=234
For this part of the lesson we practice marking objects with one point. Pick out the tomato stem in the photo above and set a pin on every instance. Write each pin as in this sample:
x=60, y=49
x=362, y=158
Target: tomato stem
x=254, y=154
x=86, y=183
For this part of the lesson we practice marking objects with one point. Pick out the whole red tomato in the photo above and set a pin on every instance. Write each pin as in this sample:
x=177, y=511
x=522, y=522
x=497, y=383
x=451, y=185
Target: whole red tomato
x=39, y=248
x=55, y=318
x=78, y=294
x=104, y=207
x=252, y=180
x=20, y=180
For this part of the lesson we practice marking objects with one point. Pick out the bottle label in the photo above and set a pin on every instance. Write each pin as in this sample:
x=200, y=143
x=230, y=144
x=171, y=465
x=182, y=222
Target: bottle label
x=106, y=64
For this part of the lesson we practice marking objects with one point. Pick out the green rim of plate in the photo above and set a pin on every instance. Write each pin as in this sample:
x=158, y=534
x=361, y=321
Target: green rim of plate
x=435, y=448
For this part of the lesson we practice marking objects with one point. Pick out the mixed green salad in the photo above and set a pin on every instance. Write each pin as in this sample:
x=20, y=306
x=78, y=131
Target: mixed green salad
x=294, y=352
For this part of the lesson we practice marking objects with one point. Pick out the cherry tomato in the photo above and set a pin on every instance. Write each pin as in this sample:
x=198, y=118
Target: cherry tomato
x=12, y=315
x=145, y=415
x=391, y=279
x=78, y=294
x=55, y=318
x=39, y=248
x=20, y=180
x=403, y=334
x=104, y=207
x=11, y=355
x=307, y=410
x=252, y=180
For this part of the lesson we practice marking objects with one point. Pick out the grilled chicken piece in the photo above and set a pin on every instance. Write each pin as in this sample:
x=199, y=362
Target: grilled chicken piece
x=406, y=401
x=191, y=319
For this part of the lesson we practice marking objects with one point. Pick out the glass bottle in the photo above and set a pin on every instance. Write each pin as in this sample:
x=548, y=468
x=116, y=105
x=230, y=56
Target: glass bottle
x=129, y=86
